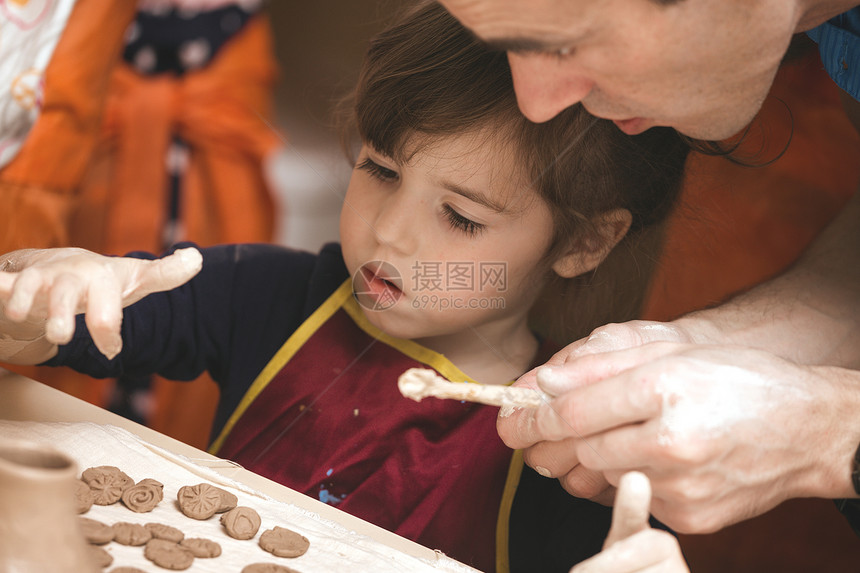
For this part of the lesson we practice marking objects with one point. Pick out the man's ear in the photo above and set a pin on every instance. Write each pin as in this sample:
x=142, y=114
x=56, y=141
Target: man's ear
x=610, y=227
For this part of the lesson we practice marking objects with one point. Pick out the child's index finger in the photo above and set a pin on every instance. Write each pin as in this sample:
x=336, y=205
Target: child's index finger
x=166, y=273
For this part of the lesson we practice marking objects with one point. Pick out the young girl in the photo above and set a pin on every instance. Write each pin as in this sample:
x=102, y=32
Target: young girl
x=459, y=215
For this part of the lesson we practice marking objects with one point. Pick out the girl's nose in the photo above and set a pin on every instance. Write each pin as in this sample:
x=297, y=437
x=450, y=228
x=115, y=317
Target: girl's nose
x=395, y=225
x=546, y=86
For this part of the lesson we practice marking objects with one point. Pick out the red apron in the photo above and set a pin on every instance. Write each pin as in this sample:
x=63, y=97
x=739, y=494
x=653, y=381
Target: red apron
x=325, y=418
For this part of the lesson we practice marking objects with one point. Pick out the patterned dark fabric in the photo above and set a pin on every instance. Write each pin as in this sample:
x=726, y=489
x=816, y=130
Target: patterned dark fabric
x=177, y=41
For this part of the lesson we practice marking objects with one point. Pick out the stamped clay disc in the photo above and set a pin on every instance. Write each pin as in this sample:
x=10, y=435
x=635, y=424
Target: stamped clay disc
x=199, y=501
x=267, y=568
x=283, y=542
x=96, y=532
x=168, y=555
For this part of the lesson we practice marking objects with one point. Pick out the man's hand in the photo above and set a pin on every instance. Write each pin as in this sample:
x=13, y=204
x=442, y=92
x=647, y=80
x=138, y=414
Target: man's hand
x=559, y=458
x=41, y=291
x=631, y=544
x=724, y=433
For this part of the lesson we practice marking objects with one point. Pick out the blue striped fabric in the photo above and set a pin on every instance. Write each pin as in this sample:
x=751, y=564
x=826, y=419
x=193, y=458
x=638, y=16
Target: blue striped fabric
x=839, y=44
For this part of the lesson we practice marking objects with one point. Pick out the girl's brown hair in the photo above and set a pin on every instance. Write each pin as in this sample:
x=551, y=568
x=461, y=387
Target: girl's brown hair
x=426, y=76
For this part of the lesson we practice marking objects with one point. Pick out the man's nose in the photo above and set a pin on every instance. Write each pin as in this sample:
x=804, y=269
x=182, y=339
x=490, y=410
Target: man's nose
x=546, y=86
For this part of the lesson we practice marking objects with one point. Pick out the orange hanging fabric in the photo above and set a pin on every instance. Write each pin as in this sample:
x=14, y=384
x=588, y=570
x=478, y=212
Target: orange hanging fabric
x=222, y=112
x=38, y=186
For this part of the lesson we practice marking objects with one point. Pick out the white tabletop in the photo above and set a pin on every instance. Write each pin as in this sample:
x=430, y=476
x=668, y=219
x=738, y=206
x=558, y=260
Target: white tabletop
x=26, y=400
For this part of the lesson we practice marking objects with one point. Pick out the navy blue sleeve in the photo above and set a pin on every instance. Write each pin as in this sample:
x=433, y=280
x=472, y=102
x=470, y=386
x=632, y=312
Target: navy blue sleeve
x=242, y=305
x=229, y=320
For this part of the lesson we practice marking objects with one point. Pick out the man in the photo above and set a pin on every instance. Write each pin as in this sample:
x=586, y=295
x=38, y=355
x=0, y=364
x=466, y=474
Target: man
x=732, y=410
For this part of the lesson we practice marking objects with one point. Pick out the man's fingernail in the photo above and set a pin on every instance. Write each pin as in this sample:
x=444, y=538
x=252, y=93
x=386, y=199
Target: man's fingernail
x=543, y=471
x=550, y=381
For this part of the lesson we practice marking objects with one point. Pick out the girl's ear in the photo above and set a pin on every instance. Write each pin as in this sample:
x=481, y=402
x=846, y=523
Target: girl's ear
x=581, y=258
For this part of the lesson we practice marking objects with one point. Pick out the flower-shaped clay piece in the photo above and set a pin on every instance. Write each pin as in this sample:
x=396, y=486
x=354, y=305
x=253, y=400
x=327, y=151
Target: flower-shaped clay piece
x=143, y=496
x=199, y=501
x=107, y=483
x=241, y=522
x=283, y=542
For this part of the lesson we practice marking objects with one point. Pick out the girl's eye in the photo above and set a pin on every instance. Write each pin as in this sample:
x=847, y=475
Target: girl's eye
x=376, y=170
x=462, y=223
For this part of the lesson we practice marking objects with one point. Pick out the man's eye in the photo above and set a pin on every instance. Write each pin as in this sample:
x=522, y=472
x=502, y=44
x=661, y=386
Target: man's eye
x=377, y=170
x=462, y=223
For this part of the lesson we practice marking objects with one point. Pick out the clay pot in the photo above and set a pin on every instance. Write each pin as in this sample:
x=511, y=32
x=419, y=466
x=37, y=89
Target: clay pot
x=39, y=529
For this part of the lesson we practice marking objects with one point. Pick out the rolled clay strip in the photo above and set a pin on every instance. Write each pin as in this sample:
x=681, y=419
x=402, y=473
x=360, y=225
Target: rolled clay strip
x=418, y=383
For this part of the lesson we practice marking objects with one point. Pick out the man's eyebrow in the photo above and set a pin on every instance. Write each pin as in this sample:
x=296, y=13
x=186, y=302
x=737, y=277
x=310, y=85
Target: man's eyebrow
x=474, y=196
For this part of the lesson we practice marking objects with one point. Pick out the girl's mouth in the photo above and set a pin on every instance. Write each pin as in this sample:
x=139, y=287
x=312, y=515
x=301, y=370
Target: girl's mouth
x=380, y=285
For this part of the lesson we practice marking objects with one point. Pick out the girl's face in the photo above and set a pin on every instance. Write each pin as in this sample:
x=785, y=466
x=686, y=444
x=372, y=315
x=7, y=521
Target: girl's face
x=451, y=240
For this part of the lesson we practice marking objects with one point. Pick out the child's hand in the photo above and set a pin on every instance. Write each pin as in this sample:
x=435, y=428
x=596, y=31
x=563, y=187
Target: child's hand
x=631, y=544
x=41, y=291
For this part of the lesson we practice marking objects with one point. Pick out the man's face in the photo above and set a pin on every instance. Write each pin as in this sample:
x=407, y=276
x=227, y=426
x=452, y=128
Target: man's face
x=703, y=67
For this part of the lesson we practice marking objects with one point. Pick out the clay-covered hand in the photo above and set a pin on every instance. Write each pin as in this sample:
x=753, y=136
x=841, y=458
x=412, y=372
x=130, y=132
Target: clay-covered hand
x=41, y=291
x=558, y=458
x=724, y=433
x=632, y=545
